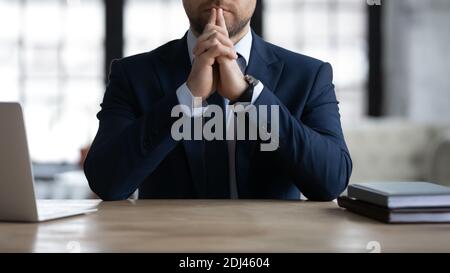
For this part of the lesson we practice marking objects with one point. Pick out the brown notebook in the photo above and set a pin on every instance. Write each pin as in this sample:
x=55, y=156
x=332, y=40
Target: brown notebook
x=398, y=216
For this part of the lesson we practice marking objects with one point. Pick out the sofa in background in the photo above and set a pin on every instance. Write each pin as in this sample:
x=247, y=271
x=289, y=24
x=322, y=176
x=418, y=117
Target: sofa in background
x=397, y=150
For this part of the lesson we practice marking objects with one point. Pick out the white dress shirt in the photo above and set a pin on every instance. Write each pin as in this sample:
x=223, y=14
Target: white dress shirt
x=185, y=97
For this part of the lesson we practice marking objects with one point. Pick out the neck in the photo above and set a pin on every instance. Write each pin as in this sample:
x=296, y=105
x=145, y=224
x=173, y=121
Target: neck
x=236, y=38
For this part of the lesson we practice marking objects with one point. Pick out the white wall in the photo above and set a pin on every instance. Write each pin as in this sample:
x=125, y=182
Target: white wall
x=417, y=59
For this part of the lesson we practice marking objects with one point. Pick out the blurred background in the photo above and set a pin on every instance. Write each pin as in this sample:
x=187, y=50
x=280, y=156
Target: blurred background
x=390, y=60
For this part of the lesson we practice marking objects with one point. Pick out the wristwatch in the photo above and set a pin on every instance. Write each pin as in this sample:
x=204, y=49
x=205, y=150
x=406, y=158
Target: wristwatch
x=248, y=93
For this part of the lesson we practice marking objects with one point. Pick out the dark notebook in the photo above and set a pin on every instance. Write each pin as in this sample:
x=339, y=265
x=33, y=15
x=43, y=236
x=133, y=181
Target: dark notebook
x=408, y=215
x=401, y=194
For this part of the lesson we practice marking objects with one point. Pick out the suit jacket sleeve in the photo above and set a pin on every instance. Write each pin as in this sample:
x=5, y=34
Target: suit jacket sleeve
x=311, y=142
x=129, y=145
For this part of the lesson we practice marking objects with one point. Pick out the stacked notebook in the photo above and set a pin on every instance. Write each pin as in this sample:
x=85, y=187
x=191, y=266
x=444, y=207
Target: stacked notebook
x=399, y=202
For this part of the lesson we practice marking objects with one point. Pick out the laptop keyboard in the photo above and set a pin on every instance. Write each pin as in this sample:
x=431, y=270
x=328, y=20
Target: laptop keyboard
x=51, y=210
x=46, y=210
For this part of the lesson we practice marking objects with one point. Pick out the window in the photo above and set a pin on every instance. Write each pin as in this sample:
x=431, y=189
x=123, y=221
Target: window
x=330, y=30
x=51, y=59
x=52, y=54
x=152, y=23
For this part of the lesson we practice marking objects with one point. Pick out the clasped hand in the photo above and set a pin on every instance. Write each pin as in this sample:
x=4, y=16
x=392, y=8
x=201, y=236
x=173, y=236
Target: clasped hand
x=215, y=67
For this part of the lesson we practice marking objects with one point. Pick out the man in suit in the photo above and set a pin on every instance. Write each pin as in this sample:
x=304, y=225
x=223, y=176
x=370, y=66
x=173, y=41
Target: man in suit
x=220, y=61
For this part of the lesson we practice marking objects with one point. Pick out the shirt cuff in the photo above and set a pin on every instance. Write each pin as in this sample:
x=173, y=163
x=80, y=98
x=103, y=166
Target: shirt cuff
x=257, y=91
x=196, y=105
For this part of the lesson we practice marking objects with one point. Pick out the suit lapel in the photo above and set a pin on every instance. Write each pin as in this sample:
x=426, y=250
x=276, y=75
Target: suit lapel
x=265, y=66
x=174, y=66
x=174, y=69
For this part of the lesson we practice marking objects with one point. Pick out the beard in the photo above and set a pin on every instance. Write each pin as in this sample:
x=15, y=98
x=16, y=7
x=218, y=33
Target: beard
x=198, y=25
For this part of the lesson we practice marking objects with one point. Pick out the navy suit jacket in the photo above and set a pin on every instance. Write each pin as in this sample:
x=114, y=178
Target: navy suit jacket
x=133, y=148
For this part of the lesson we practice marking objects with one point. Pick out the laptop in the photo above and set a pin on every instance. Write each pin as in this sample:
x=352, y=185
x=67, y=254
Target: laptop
x=17, y=196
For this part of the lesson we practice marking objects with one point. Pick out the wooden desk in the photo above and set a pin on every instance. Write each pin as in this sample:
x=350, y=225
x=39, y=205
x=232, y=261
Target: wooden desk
x=219, y=226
